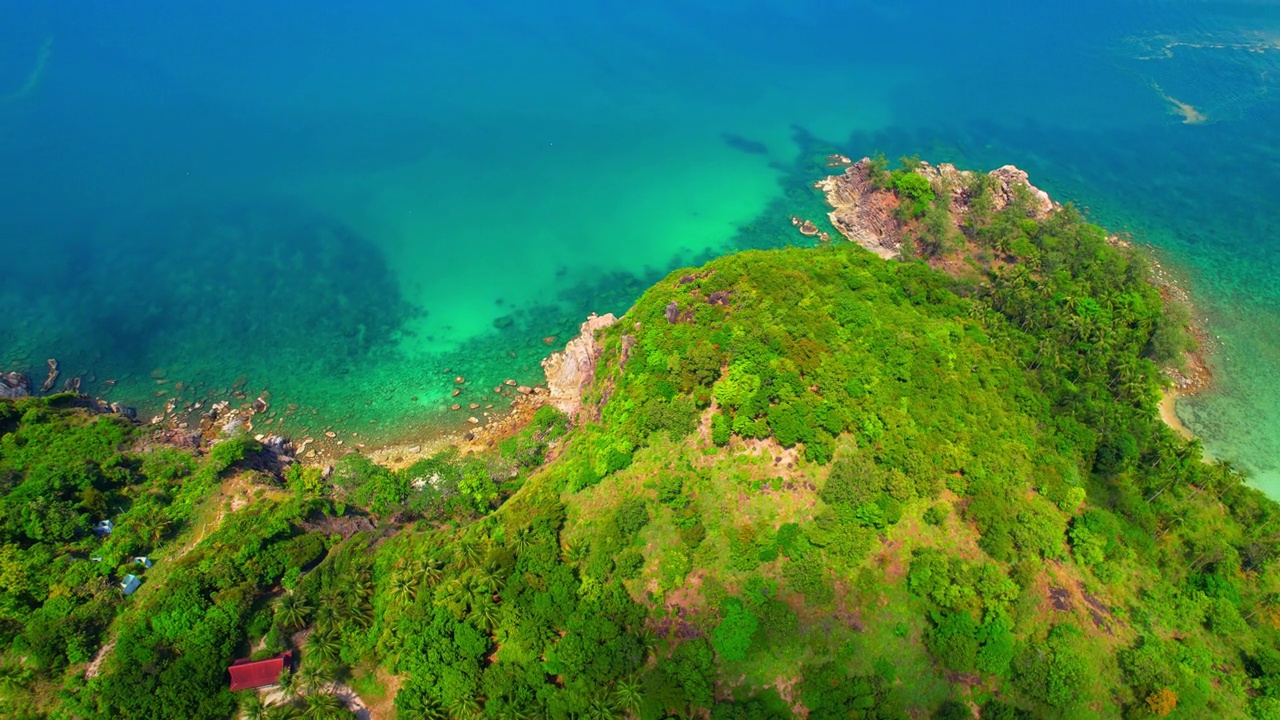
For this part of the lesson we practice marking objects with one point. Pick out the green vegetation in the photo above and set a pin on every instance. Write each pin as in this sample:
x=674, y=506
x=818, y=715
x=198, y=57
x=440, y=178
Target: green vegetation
x=818, y=481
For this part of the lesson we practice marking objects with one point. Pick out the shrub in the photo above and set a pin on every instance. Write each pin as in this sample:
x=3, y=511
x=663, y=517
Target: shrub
x=732, y=636
x=631, y=516
x=936, y=515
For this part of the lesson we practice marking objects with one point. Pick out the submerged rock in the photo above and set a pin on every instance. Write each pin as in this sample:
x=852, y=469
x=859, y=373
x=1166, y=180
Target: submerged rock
x=124, y=410
x=806, y=227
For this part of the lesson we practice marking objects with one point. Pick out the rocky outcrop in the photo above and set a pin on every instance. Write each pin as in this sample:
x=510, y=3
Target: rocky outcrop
x=861, y=212
x=14, y=385
x=53, y=376
x=1009, y=181
x=866, y=213
x=572, y=370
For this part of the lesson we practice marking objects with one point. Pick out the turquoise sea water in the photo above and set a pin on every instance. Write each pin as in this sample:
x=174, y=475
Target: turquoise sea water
x=347, y=206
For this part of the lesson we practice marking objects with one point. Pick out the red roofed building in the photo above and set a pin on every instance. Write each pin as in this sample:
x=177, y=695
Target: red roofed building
x=247, y=674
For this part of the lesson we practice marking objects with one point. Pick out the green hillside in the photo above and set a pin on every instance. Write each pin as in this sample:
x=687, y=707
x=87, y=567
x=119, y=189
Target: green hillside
x=806, y=483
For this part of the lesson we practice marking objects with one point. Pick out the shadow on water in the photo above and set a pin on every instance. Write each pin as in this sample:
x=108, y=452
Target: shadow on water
x=744, y=144
x=270, y=289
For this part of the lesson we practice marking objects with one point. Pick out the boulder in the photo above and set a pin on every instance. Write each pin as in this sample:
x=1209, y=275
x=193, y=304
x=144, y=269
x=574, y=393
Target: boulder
x=14, y=385
x=1008, y=178
x=124, y=410
x=52, y=377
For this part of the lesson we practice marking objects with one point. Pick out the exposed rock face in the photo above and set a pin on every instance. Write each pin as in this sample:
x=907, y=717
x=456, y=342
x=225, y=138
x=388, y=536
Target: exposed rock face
x=867, y=215
x=573, y=369
x=14, y=385
x=861, y=212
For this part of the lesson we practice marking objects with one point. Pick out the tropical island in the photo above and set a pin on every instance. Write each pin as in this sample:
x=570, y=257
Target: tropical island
x=929, y=480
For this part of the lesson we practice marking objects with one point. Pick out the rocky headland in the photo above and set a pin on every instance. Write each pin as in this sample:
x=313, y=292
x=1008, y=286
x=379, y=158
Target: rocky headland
x=865, y=210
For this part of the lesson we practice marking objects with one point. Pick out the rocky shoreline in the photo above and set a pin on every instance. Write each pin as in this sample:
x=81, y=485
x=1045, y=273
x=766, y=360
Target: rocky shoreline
x=195, y=426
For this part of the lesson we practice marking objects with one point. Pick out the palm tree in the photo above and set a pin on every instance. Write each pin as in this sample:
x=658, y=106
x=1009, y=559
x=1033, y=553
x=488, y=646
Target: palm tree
x=326, y=617
x=293, y=611
x=521, y=539
x=13, y=676
x=486, y=614
x=358, y=611
x=290, y=686
x=404, y=588
x=252, y=707
x=628, y=695
x=428, y=708
x=491, y=580
x=282, y=711
x=431, y=571
x=323, y=706
x=601, y=708
x=324, y=645
x=363, y=585
x=574, y=554
x=466, y=708
x=468, y=553
x=510, y=712
x=460, y=594
x=151, y=523
x=315, y=678
x=648, y=638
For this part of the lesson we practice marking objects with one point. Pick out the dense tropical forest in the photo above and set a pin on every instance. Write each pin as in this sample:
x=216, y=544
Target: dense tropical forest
x=805, y=483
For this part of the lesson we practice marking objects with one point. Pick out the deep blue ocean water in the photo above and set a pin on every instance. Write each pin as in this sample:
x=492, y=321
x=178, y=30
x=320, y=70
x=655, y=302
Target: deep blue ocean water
x=347, y=204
